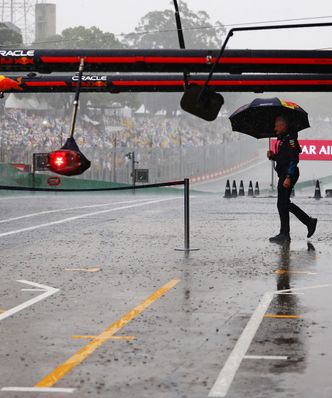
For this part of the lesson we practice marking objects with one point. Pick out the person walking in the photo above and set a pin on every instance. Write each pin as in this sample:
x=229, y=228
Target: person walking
x=287, y=159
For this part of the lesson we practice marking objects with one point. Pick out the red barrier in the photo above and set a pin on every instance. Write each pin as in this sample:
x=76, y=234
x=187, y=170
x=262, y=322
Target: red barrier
x=26, y=168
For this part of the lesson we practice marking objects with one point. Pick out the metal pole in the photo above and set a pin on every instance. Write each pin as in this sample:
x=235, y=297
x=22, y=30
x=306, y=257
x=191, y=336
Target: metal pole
x=186, y=248
x=77, y=97
x=133, y=168
x=186, y=74
x=114, y=160
x=186, y=215
x=25, y=23
x=3, y=10
x=33, y=164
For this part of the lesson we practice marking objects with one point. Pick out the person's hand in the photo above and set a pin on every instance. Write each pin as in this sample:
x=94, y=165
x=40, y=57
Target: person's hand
x=269, y=154
x=287, y=183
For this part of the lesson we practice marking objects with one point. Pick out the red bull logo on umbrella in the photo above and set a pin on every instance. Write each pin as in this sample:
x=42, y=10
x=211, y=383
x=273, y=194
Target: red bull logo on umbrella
x=289, y=104
x=7, y=84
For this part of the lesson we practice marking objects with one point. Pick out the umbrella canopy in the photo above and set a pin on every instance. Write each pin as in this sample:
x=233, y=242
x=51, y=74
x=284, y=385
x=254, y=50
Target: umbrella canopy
x=257, y=118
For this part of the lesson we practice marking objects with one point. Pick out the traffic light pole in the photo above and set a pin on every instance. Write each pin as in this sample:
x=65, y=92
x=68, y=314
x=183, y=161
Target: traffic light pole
x=131, y=156
x=133, y=172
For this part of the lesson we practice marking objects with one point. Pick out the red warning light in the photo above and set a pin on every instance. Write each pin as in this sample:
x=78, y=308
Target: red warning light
x=64, y=161
x=59, y=161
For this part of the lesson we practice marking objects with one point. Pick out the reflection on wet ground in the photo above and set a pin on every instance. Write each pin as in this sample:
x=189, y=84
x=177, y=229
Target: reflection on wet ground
x=285, y=336
x=184, y=338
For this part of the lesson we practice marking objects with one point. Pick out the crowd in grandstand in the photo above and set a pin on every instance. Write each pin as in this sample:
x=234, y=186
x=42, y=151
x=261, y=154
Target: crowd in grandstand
x=98, y=133
x=156, y=140
x=34, y=131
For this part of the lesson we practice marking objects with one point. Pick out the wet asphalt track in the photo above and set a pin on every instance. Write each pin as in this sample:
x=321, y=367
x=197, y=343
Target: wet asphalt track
x=148, y=321
x=261, y=172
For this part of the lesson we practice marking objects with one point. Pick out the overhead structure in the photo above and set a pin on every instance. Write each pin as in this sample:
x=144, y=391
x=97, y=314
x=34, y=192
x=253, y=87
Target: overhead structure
x=150, y=83
x=200, y=97
x=166, y=61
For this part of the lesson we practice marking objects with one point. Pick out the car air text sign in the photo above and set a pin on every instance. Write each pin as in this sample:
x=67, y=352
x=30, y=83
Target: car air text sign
x=312, y=149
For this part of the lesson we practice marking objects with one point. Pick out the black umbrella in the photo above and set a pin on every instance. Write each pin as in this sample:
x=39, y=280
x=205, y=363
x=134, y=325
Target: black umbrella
x=257, y=118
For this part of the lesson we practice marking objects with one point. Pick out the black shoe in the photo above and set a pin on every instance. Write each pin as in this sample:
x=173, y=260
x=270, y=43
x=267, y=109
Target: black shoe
x=312, y=227
x=280, y=239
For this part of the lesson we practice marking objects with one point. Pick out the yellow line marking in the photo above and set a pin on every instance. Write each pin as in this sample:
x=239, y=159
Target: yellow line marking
x=109, y=338
x=83, y=269
x=281, y=272
x=284, y=271
x=281, y=316
x=58, y=373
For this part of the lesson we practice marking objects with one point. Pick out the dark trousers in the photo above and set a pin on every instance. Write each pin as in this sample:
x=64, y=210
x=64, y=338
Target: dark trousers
x=285, y=205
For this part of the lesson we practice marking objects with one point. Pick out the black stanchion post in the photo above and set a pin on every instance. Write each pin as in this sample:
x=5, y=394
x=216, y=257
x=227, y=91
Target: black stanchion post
x=186, y=215
x=186, y=218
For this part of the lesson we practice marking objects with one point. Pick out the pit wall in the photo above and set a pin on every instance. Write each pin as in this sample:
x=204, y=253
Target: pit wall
x=12, y=177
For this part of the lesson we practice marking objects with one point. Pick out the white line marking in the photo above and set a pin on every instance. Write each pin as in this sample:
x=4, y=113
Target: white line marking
x=276, y=357
x=68, y=209
x=48, y=291
x=22, y=197
x=299, y=289
x=227, y=374
x=39, y=389
x=83, y=216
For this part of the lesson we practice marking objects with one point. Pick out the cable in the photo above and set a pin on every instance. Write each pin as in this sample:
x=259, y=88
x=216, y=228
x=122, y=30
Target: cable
x=126, y=188
x=217, y=27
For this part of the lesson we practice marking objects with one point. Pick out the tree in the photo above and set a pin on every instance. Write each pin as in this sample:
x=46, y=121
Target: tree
x=81, y=37
x=9, y=37
x=157, y=29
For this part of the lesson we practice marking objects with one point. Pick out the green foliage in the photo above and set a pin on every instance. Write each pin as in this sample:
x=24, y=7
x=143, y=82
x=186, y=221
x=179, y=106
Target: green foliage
x=10, y=38
x=157, y=29
x=81, y=37
x=87, y=38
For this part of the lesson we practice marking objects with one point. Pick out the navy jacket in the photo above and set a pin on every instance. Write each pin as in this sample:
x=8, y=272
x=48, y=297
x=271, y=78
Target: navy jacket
x=287, y=155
